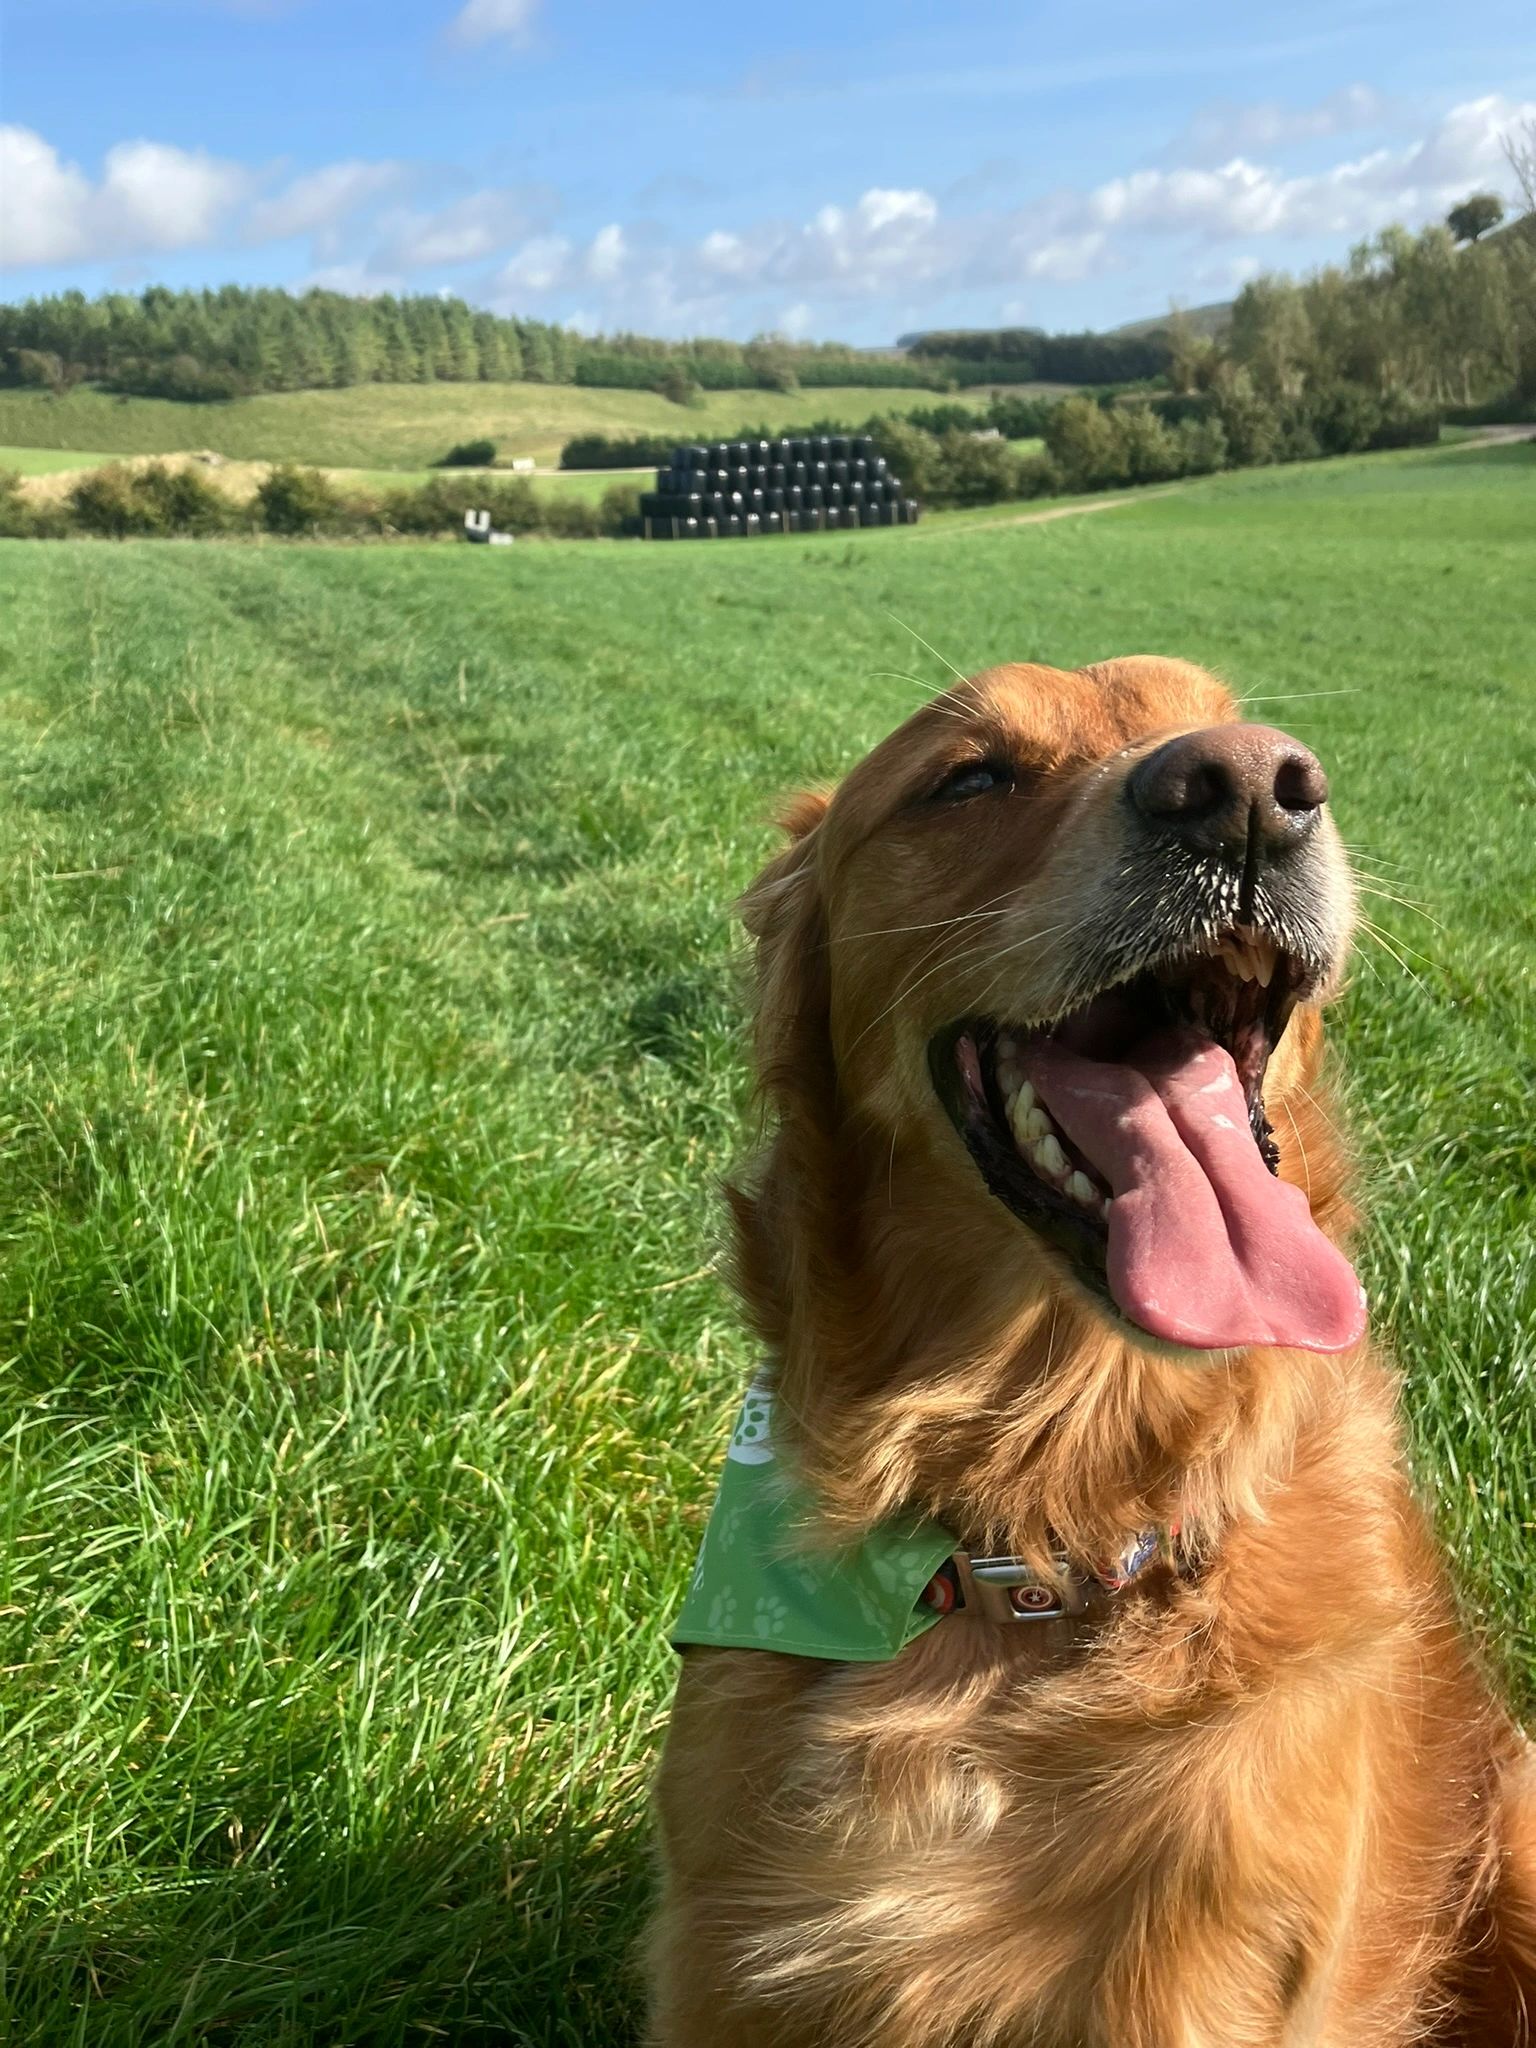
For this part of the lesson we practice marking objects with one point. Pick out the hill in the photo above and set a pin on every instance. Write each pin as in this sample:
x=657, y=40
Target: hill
x=1213, y=320
x=410, y=426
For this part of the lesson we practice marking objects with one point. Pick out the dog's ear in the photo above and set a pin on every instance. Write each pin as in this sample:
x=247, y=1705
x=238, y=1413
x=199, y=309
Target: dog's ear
x=783, y=912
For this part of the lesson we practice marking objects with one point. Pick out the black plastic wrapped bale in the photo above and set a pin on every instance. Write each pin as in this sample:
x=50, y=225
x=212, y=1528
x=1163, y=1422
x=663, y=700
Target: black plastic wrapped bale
x=824, y=483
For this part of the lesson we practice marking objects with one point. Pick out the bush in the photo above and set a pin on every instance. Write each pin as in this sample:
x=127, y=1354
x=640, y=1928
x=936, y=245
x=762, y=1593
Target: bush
x=676, y=384
x=1405, y=423
x=18, y=517
x=1084, y=445
x=973, y=471
x=1344, y=417
x=1251, y=424
x=1202, y=446
x=1020, y=419
x=1036, y=476
x=933, y=419
x=614, y=451
x=470, y=455
x=915, y=457
x=1149, y=452
x=187, y=502
x=619, y=510
x=293, y=500
x=106, y=502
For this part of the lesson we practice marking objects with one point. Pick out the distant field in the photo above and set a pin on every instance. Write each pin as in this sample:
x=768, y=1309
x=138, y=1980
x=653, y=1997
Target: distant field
x=410, y=426
x=370, y=1049
x=50, y=461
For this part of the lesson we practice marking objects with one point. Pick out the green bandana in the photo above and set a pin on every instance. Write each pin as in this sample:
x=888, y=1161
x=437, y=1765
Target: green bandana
x=757, y=1586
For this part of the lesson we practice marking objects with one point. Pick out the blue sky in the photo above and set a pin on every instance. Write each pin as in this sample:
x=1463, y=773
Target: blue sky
x=843, y=171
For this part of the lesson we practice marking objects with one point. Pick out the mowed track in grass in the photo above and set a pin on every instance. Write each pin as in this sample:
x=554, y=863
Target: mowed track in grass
x=371, y=1046
x=409, y=426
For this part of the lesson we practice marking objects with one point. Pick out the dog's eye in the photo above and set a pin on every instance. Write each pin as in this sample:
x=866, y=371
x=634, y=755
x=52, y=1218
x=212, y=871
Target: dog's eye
x=973, y=778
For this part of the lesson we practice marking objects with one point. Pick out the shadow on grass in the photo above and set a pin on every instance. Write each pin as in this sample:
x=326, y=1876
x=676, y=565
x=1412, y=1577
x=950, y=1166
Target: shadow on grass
x=476, y=1938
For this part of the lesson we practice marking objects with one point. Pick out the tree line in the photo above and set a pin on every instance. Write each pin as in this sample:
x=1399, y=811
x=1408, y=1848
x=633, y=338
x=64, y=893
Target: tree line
x=238, y=340
x=1027, y=355
x=1415, y=319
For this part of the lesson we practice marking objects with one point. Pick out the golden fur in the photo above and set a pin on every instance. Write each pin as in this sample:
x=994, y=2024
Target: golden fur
x=1274, y=1803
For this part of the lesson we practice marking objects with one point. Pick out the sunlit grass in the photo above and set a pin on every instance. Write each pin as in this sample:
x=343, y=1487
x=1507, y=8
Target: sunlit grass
x=371, y=1048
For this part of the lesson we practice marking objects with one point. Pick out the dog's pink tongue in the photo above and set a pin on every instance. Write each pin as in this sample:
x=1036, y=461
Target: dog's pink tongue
x=1206, y=1247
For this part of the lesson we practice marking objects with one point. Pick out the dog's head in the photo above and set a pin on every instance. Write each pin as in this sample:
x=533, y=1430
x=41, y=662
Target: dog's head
x=1051, y=956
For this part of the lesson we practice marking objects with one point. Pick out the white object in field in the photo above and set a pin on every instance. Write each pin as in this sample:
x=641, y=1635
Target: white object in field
x=477, y=526
x=523, y=463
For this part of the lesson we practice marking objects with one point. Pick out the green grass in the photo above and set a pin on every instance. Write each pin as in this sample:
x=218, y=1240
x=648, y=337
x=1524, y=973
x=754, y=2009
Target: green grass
x=371, y=1046
x=408, y=426
x=49, y=461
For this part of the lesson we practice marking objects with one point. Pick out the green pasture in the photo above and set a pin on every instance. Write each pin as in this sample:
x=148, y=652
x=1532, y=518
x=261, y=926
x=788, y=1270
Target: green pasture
x=370, y=1048
x=410, y=426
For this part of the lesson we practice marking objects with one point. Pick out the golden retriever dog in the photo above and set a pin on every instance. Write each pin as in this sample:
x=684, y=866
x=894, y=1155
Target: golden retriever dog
x=1048, y=1248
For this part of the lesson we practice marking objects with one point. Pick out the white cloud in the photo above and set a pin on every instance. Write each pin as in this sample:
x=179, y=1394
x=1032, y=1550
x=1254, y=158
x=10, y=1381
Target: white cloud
x=607, y=255
x=468, y=230
x=897, y=248
x=1225, y=130
x=482, y=21
x=43, y=202
x=541, y=265
x=318, y=202
x=150, y=196
x=1243, y=199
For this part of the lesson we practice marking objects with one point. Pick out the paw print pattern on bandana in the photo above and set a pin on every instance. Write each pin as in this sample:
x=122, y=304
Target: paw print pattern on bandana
x=769, y=1617
x=752, y=1443
x=722, y=1610
x=899, y=1564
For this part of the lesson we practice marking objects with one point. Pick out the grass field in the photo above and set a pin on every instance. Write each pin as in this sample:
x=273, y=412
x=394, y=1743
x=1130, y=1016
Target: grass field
x=371, y=1046
x=409, y=426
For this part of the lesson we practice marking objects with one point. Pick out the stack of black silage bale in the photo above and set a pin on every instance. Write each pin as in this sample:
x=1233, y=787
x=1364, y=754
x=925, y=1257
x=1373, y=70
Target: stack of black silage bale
x=816, y=484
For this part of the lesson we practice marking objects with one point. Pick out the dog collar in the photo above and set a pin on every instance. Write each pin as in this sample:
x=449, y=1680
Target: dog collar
x=1004, y=1588
x=758, y=1585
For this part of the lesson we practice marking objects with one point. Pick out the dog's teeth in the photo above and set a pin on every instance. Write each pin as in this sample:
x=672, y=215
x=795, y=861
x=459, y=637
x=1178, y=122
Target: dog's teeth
x=1007, y=1046
x=1026, y=1097
x=1030, y=1125
x=1049, y=1157
x=1082, y=1189
x=1264, y=962
x=1009, y=1079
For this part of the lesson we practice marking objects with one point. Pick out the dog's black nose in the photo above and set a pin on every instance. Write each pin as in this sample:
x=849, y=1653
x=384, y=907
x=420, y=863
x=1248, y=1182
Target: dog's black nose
x=1221, y=790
